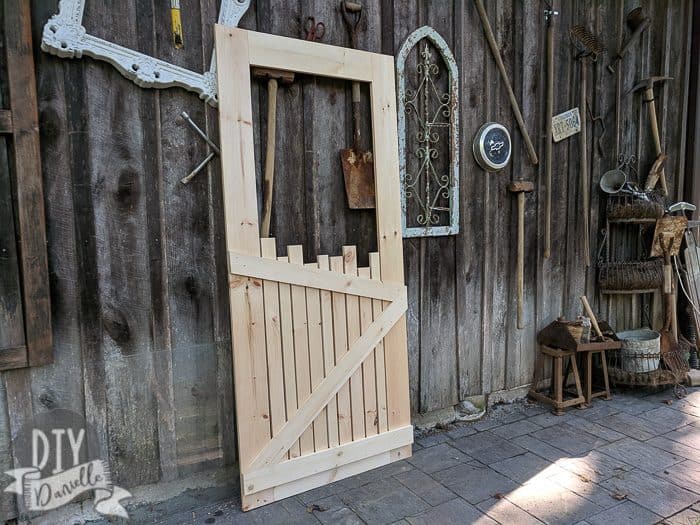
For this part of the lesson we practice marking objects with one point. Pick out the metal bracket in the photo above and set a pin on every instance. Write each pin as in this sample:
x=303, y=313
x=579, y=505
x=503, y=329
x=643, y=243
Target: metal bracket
x=216, y=151
x=65, y=36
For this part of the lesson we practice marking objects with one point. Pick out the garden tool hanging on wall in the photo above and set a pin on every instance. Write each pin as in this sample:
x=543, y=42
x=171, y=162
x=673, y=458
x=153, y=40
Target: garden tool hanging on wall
x=589, y=48
x=358, y=165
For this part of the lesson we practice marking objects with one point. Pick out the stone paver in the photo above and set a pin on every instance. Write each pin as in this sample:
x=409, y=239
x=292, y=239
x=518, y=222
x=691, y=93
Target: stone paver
x=551, y=503
x=627, y=512
x=453, y=511
x=632, y=460
x=439, y=457
x=525, y=468
x=425, y=487
x=641, y=455
x=475, y=484
x=504, y=511
x=651, y=492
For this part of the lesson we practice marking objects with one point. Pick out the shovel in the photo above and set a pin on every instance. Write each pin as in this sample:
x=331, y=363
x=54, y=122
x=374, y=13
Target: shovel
x=358, y=165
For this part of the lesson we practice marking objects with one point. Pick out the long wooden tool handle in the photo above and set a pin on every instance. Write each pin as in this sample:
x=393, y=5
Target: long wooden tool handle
x=548, y=141
x=521, y=257
x=269, y=177
x=504, y=76
x=585, y=184
x=589, y=312
x=649, y=99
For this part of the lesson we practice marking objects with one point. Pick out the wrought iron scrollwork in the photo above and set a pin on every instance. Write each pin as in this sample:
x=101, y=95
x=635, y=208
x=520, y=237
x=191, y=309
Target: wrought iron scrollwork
x=428, y=126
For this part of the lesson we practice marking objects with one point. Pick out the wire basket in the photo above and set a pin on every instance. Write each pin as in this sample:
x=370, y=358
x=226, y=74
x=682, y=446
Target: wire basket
x=647, y=369
x=633, y=207
x=631, y=275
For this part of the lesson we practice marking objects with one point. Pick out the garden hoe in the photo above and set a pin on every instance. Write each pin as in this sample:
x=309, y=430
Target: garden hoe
x=358, y=165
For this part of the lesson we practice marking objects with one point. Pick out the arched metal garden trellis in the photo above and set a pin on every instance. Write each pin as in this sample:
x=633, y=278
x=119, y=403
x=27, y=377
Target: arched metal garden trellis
x=429, y=188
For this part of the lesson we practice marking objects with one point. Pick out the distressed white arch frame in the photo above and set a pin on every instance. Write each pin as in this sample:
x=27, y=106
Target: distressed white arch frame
x=65, y=36
x=453, y=89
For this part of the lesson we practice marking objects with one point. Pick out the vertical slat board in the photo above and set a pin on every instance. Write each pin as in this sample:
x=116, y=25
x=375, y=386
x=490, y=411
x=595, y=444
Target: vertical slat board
x=273, y=334
x=328, y=336
x=340, y=341
x=288, y=360
x=352, y=305
x=380, y=361
x=369, y=380
x=301, y=346
x=316, y=359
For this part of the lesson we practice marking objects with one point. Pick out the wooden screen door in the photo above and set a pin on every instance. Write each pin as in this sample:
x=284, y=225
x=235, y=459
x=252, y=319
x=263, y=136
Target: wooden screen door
x=319, y=349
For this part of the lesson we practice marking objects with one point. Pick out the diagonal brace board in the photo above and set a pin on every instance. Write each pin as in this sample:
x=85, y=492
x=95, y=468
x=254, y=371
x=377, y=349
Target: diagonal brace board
x=324, y=460
x=275, y=449
x=272, y=270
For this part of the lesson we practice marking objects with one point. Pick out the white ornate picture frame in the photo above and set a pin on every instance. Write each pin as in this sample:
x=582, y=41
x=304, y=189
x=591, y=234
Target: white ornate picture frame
x=65, y=36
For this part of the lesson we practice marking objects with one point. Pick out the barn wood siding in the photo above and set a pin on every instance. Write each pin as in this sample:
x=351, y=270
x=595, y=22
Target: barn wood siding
x=137, y=263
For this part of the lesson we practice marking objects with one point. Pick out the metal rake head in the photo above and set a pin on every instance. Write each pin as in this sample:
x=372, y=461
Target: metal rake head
x=586, y=42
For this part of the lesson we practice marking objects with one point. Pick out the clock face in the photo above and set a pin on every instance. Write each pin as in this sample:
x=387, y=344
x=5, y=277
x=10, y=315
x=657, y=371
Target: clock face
x=492, y=147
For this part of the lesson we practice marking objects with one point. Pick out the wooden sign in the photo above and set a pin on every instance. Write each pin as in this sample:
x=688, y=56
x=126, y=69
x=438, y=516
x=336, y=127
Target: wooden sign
x=566, y=124
x=319, y=349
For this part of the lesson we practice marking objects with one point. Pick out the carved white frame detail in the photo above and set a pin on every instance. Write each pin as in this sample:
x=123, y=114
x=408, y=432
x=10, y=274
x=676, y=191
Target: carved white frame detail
x=65, y=36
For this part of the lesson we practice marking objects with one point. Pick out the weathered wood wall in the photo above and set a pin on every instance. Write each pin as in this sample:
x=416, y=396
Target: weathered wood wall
x=138, y=273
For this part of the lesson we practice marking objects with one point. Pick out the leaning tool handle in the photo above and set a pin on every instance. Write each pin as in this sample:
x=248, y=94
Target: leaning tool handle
x=667, y=248
x=548, y=135
x=649, y=100
x=269, y=177
x=356, y=116
x=589, y=312
x=352, y=16
x=504, y=76
x=585, y=182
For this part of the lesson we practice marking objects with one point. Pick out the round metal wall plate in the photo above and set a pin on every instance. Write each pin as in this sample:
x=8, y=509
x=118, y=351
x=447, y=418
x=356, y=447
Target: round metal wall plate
x=492, y=146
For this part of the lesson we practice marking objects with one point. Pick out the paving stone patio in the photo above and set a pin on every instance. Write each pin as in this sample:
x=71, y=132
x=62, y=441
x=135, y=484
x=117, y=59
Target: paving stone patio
x=634, y=460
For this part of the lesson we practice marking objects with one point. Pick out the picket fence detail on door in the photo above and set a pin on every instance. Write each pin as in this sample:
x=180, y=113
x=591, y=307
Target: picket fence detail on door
x=319, y=347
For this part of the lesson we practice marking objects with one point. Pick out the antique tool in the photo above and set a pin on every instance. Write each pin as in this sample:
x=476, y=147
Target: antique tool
x=638, y=23
x=273, y=76
x=176, y=24
x=589, y=49
x=549, y=15
x=521, y=188
x=506, y=80
x=358, y=165
x=314, y=31
x=215, y=149
x=591, y=315
x=647, y=85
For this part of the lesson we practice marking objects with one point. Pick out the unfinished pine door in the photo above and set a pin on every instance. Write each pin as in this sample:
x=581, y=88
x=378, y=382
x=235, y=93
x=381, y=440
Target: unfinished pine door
x=319, y=347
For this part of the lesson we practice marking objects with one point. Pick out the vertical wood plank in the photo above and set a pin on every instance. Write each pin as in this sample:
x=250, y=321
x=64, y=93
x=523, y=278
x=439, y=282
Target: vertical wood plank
x=340, y=341
x=288, y=360
x=369, y=380
x=241, y=213
x=316, y=359
x=331, y=409
x=301, y=346
x=380, y=360
x=273, y=335
x=389, y=238
x=353, y=320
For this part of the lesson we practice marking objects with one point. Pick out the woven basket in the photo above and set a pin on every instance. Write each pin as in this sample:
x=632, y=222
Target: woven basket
x=631, y=207
x=636, y=275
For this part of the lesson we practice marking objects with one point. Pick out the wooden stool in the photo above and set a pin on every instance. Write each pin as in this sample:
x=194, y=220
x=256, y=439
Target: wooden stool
x=587, y=359
x=557, y=391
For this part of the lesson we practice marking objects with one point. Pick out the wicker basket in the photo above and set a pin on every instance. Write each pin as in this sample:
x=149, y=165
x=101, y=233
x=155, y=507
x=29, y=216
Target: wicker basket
x=635, y=275
x=631, y=207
